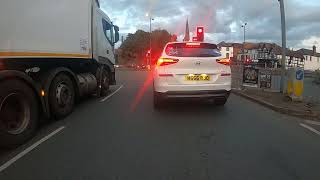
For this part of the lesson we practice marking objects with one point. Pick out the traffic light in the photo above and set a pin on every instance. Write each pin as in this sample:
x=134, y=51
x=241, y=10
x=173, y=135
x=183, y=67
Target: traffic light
x=200, y=33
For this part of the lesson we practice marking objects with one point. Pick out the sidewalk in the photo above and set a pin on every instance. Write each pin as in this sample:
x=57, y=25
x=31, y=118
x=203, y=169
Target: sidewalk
x=308, y=109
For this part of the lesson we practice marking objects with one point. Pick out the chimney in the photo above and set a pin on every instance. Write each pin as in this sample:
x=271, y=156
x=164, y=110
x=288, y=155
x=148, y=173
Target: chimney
x=314, y=49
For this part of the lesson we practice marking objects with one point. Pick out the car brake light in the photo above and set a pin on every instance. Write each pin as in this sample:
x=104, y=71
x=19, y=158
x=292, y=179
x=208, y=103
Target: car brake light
x=225, y=74
x=166, y=61
x=193, y=44
x=223, y=61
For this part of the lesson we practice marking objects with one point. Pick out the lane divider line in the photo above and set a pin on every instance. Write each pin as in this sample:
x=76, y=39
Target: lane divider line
x=116, y=91
x=310, y=128
x=312, y=122
x=29, y=149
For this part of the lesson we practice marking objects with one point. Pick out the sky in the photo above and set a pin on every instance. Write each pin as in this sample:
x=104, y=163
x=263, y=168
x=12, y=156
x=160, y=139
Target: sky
x=222, y=19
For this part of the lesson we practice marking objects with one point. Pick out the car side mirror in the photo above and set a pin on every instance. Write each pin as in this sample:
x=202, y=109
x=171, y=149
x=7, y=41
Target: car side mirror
x=117, y=36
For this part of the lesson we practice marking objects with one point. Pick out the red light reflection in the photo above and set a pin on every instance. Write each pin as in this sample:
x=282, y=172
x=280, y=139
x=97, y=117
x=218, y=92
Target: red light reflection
x=147, y=83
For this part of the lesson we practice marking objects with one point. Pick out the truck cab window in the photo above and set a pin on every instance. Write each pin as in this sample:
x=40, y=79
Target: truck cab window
x=107, y=29
x=98, y=3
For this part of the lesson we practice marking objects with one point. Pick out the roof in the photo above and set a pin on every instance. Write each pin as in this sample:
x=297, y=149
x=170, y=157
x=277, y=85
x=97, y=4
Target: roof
x=225, y=44
x=308, y=52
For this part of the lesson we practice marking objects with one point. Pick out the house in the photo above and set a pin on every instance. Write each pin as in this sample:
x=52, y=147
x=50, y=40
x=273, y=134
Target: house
x=270, y=55
x=312, y=59
x=229, y=50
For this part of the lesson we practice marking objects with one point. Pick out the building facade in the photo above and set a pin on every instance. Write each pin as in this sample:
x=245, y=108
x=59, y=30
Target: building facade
x=229, y=50
x=270, y=55
x=311, y=59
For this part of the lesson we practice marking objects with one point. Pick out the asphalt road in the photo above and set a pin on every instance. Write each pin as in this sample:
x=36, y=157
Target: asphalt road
x=124, y=138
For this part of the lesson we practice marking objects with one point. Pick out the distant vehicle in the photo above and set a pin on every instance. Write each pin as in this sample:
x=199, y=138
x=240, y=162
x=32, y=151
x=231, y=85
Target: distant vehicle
x=50, y=56
x=191, y=70
x=143, y=66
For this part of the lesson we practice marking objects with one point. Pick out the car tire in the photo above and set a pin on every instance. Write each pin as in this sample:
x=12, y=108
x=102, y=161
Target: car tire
x=18, y=102
x=220, y=102
x=61, y=96
x=157, y=100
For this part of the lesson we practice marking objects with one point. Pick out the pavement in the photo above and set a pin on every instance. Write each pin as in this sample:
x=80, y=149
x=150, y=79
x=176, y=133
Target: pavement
x=311, y=90
x=121, y=137
x=308, y=108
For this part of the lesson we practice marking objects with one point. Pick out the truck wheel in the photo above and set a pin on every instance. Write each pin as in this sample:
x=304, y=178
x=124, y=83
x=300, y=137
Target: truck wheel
x=61, y=96
x=105, y=83
x=19, y=113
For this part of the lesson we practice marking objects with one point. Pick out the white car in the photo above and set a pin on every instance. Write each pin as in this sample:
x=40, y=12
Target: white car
x=191, y=70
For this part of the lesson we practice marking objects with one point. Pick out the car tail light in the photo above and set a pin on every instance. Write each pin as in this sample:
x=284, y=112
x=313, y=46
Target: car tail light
x=166, y=61
x=223, y=61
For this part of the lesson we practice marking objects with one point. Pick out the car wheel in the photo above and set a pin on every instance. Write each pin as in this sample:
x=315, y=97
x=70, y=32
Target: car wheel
x=61, y=96
x=19, y=113
x=157, y=101
x=220, y=102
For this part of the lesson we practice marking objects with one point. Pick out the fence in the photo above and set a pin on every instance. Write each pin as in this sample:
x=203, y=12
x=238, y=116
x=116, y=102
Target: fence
x=244, y=75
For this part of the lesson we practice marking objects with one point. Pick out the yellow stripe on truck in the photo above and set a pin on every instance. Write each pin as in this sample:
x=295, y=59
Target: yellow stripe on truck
x=42, y=54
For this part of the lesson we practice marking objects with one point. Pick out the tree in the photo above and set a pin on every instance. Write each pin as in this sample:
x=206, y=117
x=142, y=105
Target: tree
x=136, y=45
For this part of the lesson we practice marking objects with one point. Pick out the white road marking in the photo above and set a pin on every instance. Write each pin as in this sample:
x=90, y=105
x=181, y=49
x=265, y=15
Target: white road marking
x=29, y=149
x=106, y=98
x=310, y=128
x=312, y=122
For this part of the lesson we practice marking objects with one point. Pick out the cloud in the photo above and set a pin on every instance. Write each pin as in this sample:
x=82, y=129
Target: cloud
x=222, y=19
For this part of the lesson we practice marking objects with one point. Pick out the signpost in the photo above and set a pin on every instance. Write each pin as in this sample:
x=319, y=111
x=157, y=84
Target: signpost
x=250, y=76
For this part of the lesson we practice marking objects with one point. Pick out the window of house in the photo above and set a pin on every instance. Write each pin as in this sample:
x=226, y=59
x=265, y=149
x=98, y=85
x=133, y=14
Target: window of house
x=318, y=59
x=310, y=58
x=306, y=58
x=228, y=48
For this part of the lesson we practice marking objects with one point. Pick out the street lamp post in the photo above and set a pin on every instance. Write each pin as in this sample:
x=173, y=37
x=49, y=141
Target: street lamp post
x=244, y=34
x=284, y=44
x=150, y=42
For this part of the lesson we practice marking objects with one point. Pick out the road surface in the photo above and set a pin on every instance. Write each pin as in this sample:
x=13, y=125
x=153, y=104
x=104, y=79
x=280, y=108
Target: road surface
x=122, y=137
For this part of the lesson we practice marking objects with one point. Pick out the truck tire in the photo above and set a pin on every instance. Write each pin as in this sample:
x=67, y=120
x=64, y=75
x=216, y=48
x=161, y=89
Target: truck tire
x=19, y=113
x=61, y=96
x=105, y=83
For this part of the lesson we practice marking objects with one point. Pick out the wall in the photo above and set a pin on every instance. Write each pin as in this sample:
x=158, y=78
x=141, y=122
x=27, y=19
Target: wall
x=312, y=65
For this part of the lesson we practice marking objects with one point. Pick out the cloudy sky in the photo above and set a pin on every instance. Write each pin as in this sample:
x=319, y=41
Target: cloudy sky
x=222, y=19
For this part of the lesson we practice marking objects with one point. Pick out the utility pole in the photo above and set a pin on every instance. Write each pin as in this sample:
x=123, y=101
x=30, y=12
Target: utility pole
x=284, y=44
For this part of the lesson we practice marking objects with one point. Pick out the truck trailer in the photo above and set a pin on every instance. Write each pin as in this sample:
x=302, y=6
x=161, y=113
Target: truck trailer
x=52, y=53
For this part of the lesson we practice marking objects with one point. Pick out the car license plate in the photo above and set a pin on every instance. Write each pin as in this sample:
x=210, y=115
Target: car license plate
x=202, y=77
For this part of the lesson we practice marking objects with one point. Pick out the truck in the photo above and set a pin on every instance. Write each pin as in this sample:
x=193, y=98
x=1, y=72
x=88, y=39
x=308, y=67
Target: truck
x=52, y=53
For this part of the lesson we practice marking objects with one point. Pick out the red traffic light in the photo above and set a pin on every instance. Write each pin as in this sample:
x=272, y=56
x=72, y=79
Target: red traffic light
x=200, y=33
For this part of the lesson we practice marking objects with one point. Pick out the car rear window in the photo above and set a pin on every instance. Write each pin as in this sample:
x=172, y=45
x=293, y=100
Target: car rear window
x=192, y=50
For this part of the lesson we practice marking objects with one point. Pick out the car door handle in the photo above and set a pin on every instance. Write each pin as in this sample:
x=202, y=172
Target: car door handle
x=107, y=51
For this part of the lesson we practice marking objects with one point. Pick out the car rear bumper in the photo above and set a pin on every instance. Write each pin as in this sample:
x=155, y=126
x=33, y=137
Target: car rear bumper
x=215, y=94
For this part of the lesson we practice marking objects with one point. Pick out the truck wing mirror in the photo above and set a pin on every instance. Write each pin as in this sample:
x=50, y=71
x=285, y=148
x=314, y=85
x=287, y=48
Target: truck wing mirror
x=117, y=36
